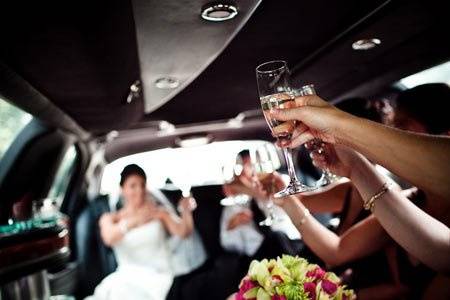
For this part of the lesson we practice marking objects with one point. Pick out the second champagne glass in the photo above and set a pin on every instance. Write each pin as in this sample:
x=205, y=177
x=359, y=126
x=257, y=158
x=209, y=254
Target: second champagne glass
x=275, y=92
x=318, y=145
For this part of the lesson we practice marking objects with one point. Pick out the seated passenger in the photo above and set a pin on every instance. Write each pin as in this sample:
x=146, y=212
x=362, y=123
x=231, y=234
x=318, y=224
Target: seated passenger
x=239, y=229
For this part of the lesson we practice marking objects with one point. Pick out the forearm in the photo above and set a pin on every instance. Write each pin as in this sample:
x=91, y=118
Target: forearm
x=188, y=222
x=417, y=232
x=111, y=234
x=323, y=242
x=420, y=159
x=331, y=200
x=181, y=227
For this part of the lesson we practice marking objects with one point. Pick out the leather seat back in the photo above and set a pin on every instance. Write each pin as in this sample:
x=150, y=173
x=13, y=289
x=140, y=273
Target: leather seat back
x=95, y=259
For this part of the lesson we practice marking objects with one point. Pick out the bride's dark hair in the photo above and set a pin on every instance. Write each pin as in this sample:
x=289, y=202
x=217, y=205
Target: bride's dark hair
x=129, y=170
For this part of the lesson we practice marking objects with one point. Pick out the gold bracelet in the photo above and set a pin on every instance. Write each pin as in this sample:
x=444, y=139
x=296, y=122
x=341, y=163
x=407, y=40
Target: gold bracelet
x=369, y=204
x=306, y=214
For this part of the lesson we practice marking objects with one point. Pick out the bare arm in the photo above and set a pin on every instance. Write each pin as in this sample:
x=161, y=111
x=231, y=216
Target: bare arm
x=362, y=239
x=180, y=226
x=422, y=160
x=110, y=230
x=330, y=200
x=420, y=234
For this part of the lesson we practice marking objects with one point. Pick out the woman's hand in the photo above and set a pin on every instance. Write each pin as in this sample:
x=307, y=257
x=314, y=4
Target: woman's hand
x=187, y=204
x=337, y=159
x=318, y=119
x=237, y=187
x=241, y=218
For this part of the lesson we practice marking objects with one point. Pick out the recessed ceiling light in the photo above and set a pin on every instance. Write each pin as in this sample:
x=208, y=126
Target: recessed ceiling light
x=193, y=141
x=365, y=44
x=219, y=12
x=167, y=83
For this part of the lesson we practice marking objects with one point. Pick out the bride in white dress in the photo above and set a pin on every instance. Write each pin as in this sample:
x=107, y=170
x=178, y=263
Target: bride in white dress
x=139, y=235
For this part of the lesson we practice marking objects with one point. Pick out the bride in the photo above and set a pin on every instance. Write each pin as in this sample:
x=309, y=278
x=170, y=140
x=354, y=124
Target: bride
x=139, y=235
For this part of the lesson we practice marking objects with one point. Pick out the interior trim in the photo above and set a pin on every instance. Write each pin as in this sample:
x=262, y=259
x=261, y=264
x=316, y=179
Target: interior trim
x=18, y=91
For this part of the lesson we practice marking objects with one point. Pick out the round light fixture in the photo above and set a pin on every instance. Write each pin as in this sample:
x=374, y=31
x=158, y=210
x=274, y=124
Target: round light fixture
x=167, y=83
x=219, y=12
x=365, y=44
x=193, y=141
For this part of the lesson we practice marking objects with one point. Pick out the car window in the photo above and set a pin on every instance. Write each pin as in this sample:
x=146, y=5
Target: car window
x=439, y=73
x=12, y=121
x=194, y=166
x=63, y=176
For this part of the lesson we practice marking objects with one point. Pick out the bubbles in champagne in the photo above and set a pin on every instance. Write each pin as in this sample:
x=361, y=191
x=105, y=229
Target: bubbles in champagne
x=281, y=130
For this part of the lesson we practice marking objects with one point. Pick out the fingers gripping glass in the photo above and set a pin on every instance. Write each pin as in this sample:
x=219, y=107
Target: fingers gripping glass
x=275, y=92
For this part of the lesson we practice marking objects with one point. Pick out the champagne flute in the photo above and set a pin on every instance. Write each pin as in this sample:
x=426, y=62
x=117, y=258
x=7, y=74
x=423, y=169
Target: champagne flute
x=263, y=169
x=317, y=144
x=275, y=92
x=230, y=173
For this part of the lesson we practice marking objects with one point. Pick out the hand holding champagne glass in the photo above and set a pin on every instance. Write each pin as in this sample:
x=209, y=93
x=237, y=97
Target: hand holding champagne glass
x=275, y=92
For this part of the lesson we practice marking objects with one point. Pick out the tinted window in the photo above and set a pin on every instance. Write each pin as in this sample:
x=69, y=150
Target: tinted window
x=63, y=176
x=12, y=121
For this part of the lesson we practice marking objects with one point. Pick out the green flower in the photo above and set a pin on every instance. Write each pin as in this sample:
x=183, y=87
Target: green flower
x=251, y=294
x=259, y=272
x=263, y=295
x=292, y=291
x=297, y=266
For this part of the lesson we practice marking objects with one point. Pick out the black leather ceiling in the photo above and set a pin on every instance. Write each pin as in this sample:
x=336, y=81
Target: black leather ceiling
x=82, y=54
x=79, y=54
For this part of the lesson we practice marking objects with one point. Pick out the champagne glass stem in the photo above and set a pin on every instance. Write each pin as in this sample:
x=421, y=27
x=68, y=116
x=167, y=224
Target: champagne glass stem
x=287, y=152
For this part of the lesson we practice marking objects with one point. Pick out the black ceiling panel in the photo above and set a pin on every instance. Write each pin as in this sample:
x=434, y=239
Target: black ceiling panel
x=81, y=55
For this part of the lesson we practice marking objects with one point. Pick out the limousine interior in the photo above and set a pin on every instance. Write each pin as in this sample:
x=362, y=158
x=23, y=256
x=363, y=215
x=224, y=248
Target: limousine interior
x=88, y=87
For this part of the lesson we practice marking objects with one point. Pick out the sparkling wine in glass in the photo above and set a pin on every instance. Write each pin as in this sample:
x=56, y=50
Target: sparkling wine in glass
x=275, y=92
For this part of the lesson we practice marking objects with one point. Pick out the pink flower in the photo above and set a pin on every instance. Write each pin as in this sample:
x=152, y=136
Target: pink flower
x=277, y=297
x=317, y=273
x=310, y=288
x=329, y=287
x=239, y=296
x=246, y=285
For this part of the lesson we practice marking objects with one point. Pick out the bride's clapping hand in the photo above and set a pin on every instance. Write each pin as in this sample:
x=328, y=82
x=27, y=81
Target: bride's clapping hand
x=187, y=204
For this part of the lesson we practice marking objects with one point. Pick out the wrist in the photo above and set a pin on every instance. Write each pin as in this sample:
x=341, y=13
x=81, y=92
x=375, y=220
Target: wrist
x=290, y=203
x=359, y=166
x=344, y=124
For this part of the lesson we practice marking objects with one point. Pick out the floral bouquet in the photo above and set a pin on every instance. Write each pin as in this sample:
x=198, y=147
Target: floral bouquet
x=291, y=278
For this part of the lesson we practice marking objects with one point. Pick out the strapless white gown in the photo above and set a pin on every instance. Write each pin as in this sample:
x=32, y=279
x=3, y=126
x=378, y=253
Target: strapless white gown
x=144, y=269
